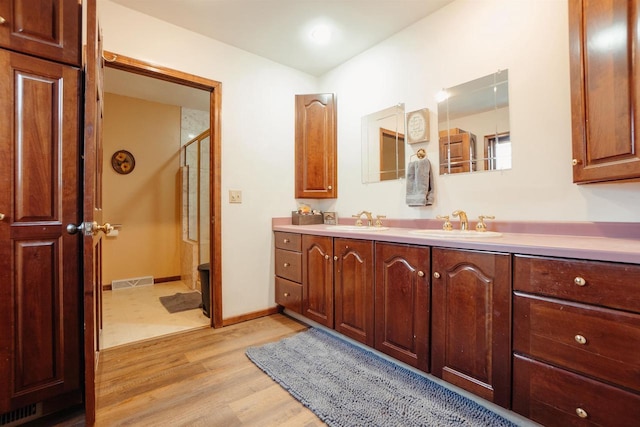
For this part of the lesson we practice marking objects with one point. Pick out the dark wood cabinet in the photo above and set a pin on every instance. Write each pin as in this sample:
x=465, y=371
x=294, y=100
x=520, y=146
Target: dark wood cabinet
x=48, y=29
x=288, y=269
x=605, y=89
x=576, y=341
x=402, y=303
x=317, y=279
x=353, y=286
x=316, y=170
x=471, y=322
x=40, y=336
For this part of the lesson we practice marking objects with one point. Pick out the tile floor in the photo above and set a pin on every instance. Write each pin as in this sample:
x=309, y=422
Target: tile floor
x=136, y=314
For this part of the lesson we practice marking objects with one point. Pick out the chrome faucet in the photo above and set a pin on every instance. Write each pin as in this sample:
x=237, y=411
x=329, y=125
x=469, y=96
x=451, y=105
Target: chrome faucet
x=464, y=222
x=359, y=220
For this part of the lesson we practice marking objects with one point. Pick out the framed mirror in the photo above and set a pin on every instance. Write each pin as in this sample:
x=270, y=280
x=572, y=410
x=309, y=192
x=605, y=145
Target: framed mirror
x=383, y=145
x=473, y=125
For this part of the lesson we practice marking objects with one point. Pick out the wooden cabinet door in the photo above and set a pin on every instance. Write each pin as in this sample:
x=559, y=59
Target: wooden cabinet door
x=604, y=89
x=316, y=148
x=40, y=314
x=48, y=29
x=353, y=282
x=402, y=303
x=471, y=323
x=317, y=279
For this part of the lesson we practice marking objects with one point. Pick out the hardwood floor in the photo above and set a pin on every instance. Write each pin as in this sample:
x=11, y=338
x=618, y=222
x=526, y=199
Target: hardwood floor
x=197, y=378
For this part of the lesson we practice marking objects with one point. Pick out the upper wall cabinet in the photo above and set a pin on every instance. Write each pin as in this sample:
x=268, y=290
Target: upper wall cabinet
x=605, y=92
x=316, y=148
x=49, y=29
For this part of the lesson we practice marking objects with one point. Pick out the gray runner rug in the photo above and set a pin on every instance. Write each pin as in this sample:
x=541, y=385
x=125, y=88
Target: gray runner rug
x=182, y=301
x=345, y=385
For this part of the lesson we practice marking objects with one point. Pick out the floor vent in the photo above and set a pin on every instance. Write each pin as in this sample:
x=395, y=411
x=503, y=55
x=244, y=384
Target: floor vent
x=21, y=415
x=135, y=282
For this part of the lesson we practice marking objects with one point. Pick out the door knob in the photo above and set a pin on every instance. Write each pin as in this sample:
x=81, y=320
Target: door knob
x=73, y=229
x=90, y=228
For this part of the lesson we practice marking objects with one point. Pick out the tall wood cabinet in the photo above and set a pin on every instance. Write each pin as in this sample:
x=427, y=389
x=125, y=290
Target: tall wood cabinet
x=402, y=303
x=471, y=322
x=316, y=168
x=40, y=306
x=605, y=90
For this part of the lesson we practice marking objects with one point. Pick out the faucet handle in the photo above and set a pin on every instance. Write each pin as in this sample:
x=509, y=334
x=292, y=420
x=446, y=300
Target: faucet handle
x=379, y=219
x=481, y=226
x=447, y=226
x=358, y=220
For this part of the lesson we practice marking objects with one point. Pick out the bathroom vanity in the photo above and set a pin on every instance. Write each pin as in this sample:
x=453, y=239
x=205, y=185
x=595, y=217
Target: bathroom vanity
x=544, y=324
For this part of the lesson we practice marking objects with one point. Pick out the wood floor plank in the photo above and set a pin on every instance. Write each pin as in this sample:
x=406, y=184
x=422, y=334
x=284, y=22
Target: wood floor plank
x=201, y=377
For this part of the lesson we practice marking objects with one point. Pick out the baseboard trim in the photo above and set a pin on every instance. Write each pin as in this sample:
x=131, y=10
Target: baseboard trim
x=250, y=316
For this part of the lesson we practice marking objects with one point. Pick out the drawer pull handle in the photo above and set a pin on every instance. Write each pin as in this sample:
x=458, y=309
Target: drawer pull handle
x=286, y=294
x=580, y=339
x=286, y=264
x=581, y=413
x=420, y=273
x=436, y=275
x=286, y=240
x=579, y=281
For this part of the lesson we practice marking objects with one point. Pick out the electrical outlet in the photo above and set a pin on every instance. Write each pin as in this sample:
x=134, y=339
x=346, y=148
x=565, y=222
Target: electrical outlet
x=235, y=196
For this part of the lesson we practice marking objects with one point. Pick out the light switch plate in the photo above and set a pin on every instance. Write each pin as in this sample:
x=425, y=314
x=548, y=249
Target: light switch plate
x=235, y=196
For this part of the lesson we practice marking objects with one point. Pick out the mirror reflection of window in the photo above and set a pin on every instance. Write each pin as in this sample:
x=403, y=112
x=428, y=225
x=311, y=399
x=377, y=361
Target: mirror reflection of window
x=383, y=145
x=479, y=109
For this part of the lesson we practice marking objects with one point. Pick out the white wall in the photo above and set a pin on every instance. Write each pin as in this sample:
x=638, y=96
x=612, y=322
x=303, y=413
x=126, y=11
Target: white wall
x=463, y=41
x=257, y=139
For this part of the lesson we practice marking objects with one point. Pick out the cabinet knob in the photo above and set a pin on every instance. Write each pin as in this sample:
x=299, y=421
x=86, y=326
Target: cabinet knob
x=286, y=294
x=436, y=275
x=576, y=162
x=335, y=258
x=581, y=413
x=580, y=339
x=2, y=20
x=286, y=264
x=330, y=187
x=1, y=216
x=286, y=240
x=326, y=257
x=579, y=281
x=420, y=273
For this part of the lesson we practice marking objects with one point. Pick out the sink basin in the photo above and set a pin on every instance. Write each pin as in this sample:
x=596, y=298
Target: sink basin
x=355, y=228
x=456, y=234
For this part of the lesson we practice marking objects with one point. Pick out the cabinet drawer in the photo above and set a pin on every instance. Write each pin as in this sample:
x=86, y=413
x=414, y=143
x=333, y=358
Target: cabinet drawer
x=602, y=283
x=288, y=241
x=289, y=265
x=555, y=397
x=599, y=342
x=289, y=294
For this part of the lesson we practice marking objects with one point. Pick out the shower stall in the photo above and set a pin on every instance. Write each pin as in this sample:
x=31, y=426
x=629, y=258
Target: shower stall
x=195, y=168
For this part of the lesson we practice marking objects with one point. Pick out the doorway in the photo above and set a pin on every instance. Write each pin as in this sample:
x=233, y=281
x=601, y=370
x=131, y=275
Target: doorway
x=140, y=68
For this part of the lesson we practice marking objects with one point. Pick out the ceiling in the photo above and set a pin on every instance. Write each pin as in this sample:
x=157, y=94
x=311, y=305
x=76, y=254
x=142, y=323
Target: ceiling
x=279, y=29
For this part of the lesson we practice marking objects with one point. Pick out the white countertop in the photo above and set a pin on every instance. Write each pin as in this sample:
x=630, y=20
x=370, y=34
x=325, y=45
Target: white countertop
x=598, y=248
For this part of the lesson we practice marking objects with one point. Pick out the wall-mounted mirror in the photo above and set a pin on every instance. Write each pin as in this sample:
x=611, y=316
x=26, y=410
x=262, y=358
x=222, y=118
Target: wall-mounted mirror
x=383, y=146
x=473, y=125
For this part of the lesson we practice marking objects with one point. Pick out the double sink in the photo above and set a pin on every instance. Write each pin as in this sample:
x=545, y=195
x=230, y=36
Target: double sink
x=434, y=233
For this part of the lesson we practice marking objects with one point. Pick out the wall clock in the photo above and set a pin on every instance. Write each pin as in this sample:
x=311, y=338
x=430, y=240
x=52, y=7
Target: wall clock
x=123, y=162
x=417, y=126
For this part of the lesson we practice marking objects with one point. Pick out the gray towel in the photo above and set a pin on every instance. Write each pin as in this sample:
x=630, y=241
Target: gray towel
x=419, y=183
